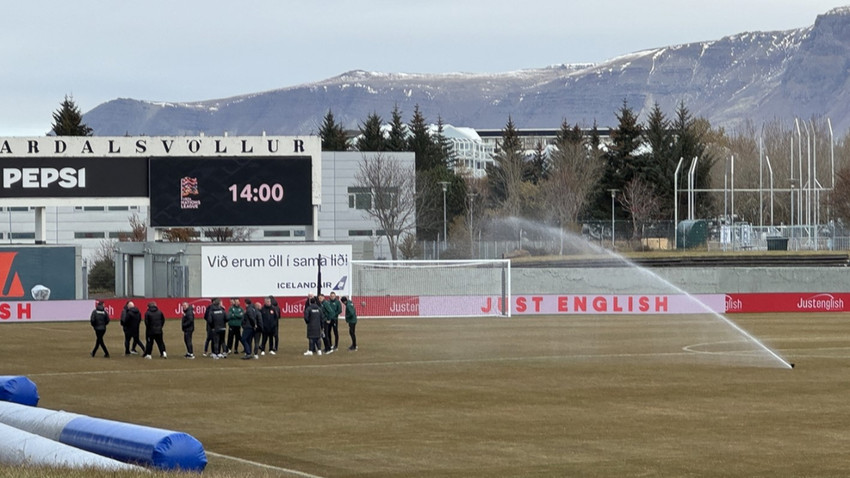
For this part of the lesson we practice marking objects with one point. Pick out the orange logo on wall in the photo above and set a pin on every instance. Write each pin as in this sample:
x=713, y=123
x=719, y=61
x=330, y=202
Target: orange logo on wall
x=9, y=286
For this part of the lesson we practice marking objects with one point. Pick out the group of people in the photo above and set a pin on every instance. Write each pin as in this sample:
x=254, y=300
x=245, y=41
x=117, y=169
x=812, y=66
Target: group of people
x=322, y=317
x=255, y=327
x=131, y=319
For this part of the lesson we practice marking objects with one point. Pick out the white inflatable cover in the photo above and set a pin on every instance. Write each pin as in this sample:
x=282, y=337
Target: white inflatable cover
x=41, y=421
x=18, y=447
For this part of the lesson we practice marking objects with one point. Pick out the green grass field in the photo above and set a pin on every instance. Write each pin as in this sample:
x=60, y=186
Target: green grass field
x=525, y=396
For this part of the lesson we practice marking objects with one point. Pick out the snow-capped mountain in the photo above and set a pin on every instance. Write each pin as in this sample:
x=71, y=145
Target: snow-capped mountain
x=756, y=75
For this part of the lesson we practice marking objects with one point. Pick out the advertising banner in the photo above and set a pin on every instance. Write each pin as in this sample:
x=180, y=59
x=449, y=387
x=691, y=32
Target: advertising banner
x=230, y=191
x=788, y=302
x=24, y=268
x=277, y=269
x=74, y=177
x=46, y=311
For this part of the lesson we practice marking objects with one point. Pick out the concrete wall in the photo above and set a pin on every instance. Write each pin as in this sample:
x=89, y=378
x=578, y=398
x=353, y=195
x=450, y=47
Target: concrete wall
x=717, y=280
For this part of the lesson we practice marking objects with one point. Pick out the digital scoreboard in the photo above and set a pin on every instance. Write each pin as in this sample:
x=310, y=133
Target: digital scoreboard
x=230, y=191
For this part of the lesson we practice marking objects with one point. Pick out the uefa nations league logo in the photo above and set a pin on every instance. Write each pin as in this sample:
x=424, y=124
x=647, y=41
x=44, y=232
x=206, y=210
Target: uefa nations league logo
x=189, y=193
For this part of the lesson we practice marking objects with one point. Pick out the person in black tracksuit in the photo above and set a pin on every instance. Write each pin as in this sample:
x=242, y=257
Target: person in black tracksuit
x=258, y=330
x=314, y=319
x=270, y=326
x=99, y=320
x=154, y=322
x=250, y=320
x=275, y=329
x=218, y=324
x=131, y=319
x=187, y=323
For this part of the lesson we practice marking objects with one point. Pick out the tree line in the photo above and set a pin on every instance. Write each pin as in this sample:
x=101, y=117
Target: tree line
x=574, y=177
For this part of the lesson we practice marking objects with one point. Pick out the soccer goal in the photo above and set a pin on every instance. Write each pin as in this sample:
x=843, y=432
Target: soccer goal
x=456, y=288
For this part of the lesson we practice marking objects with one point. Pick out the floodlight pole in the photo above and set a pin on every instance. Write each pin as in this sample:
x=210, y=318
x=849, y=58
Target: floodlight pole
x=445, y=185
x=676, y=203
x=613, y=194
x=471, y=197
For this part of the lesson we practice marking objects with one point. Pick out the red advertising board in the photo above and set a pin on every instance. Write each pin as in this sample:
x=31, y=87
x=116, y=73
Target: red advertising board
x=788, y=302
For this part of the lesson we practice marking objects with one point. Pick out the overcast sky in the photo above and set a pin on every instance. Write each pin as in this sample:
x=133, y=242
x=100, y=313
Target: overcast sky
x=187, y=50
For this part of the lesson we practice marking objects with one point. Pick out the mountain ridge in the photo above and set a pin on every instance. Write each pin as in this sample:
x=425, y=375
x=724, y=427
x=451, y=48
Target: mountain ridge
x=755, y=76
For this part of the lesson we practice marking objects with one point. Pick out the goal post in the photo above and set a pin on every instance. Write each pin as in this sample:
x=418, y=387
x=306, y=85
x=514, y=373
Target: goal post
x=422, y=288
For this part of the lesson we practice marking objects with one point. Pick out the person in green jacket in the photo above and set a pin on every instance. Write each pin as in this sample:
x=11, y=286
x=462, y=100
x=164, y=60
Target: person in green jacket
x=234, y=323
x=328, y=311
x=351, y=320
x=336, y=310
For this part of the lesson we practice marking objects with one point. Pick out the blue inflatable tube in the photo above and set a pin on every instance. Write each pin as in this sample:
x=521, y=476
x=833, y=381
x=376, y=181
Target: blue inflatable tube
x=163, y=449
x=18, y=389
x=126, y=442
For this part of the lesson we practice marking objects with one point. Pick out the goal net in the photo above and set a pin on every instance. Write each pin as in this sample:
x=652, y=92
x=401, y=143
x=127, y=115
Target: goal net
x=456, y=288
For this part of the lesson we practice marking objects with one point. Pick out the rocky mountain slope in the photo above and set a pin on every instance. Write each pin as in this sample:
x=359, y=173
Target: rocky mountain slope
x=756, y=75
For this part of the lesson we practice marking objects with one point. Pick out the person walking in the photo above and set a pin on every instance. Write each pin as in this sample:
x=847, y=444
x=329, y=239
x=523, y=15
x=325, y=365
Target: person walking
x=131, y=319
x=314, y=318
x=234, y=325
x=249, y=322
x=154, y=322
x=187, y=323
x=351, y=320
x=99, y=320
x=335, y=309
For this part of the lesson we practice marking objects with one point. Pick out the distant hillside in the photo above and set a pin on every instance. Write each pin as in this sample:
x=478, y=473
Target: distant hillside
x=758, y=76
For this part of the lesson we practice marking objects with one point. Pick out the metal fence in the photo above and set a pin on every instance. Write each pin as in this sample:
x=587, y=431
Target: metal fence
x=659, y=236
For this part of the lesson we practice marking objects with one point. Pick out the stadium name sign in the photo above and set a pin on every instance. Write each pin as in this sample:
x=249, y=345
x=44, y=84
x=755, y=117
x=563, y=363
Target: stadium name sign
x=159, y=146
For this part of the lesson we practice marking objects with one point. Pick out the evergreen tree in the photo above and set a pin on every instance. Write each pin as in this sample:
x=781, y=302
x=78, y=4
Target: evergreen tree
x=689, y=143
x=622, y=163
x=68, y=120
x=445, y=154
x=334, y=137
x=506, y=174
x=397, y=140
x=660, y=162
x=535, y=170
x=421, y=142
x=371, y=136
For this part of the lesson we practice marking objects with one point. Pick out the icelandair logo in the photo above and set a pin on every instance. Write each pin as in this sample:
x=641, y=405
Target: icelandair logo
x=825, y=302
x=10, y=281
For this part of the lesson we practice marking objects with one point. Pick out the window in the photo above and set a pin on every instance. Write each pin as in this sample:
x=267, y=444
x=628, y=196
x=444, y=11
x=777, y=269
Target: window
x=19, y=208
x=359, y=198
x=360, y=233
x=92, y=208
x=89, y=235
x=117, y=235
x=301, y=233
x=119, y=208
x=277, y=233
x=23, y=235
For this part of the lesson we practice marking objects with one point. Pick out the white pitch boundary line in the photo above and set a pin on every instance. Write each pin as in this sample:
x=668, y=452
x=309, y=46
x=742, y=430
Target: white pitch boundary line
x=376, y=364
x=262, y=465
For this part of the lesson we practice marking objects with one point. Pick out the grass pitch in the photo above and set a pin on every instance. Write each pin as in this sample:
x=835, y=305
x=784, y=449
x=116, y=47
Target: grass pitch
x=526, y=396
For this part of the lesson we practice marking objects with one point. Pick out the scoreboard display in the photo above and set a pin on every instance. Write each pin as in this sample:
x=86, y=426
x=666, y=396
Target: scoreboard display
x=230, y=191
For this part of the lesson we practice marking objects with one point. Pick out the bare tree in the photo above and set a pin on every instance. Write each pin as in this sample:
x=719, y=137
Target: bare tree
x=138, y=231
x=180, y=234
x=574, y=170
x=228, y=234
x=642, y=203
x=393, y=200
